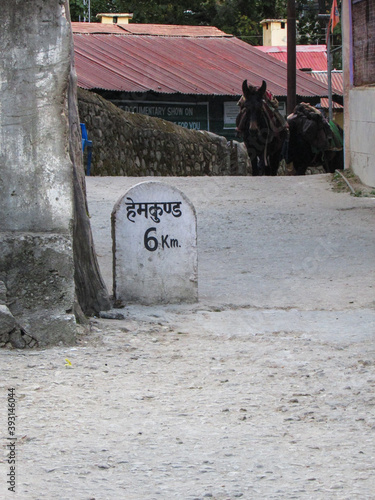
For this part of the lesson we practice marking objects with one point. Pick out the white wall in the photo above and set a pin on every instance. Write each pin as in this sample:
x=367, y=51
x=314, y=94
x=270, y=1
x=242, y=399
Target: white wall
x=359, y=113
x=362, y=133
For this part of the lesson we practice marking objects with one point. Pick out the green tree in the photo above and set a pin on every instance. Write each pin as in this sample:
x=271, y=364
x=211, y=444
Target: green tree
x=310, y=28
x=238, y=17
x=223, y=13
x=78, y=9
x=272, y=9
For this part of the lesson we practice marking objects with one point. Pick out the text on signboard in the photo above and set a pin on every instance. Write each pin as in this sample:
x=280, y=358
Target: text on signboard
x=153, y=209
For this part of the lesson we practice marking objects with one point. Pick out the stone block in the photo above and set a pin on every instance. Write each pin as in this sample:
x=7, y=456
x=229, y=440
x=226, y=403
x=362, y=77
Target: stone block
x=154, y=232
x=17, y=340
x=7, y=323
x=3, y=293
x=38, y=270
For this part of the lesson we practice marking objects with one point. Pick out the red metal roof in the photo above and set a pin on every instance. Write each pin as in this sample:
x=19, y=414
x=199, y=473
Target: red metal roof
x=324, y=103
x=148, y=29
x=307, y=56
x=200, y=63
x=97, y=28
x=174, y=30
x=336, y=79
x=337, y=86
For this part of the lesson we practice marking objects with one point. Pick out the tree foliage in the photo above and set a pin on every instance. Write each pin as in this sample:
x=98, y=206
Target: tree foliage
x=238, y=17
x=310, y=28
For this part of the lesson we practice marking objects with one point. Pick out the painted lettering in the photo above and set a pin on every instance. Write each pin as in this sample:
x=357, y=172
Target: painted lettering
x=153, y=209
x=175, y=111
x=151, y=243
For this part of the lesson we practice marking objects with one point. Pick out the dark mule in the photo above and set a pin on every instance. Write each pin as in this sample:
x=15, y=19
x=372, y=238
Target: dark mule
x=313, y=141
x=263, y=129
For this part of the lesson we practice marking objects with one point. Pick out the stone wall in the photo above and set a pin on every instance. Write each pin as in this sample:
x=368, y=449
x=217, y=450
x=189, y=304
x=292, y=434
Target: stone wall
x=138, y=145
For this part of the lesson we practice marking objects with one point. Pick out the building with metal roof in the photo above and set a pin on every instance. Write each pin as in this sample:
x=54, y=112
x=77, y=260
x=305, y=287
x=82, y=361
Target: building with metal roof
x=338, y=86
x=308, y=57
x=191, y=75
x=336, y=79
x=313, y=59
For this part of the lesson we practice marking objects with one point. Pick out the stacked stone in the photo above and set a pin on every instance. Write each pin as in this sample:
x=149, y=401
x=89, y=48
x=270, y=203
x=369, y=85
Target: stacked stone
x=131, y=144
x=11, y=335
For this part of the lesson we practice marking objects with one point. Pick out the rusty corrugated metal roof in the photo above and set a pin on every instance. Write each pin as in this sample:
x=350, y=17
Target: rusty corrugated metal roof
x=186, y=64
x=337, y=86
x=336, y=79
x=324, y=103
x=174, y=30
x=148, y=29
x=307, y=56
x=87, y=28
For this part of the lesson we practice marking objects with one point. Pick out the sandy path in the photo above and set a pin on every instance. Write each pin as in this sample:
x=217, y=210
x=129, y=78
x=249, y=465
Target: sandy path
x=262, y=390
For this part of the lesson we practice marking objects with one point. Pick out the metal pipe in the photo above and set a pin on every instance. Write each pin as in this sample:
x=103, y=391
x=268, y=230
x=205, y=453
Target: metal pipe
x=329, y=75
x=346, y=180
x=329, y=66
x=87, y=3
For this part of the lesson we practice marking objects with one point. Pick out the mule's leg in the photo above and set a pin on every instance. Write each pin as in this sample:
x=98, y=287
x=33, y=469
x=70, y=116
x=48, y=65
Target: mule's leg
x=254, y=166
x=333, y=160
x=261, y=165
x=274, y=162
x=300, y=167
x=268, y=169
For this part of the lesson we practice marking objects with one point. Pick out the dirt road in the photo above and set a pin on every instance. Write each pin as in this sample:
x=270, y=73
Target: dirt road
x=264, y=389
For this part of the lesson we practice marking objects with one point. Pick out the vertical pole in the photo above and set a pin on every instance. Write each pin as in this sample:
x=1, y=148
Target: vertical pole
x=329, y=71
x=291, y=51
x=347, y=46
x=87, y=13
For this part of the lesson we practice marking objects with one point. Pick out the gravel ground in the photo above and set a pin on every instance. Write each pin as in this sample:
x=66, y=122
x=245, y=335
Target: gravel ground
x=264, y=389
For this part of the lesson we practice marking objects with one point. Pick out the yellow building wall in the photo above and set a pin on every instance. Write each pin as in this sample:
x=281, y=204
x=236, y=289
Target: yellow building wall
x=109, y=18
x=274, y=34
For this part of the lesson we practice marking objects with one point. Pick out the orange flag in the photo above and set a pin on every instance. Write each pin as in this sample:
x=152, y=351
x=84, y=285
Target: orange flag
x=334, y=18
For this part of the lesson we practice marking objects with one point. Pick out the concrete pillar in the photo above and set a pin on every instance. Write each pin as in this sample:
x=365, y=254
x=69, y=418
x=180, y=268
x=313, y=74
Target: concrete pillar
x=36, y=183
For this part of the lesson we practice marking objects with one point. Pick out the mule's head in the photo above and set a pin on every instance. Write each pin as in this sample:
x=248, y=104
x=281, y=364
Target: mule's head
x=250, y=106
